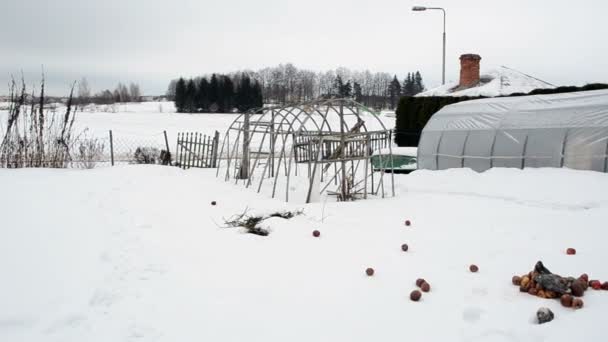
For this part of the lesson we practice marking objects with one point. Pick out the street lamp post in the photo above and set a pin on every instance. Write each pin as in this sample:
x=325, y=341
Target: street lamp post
x=422, y=8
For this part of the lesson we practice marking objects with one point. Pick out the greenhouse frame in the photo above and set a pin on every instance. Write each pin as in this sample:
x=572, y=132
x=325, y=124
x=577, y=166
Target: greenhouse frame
x=560, y=130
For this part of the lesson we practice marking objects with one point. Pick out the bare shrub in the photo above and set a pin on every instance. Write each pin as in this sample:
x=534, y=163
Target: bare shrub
x=251, y=222
x=147, y=155
x=90, y=152
x=32, y=138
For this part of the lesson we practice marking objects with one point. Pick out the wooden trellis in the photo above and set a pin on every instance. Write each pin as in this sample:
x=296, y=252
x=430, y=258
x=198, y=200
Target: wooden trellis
x=329, y=136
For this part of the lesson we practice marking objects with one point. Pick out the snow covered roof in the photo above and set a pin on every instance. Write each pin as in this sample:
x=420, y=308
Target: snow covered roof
x=494, y=82
x=578, y=109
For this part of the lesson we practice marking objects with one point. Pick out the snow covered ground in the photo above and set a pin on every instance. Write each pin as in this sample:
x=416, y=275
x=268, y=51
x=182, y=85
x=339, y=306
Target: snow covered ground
x=135, y=124
x=136, y=253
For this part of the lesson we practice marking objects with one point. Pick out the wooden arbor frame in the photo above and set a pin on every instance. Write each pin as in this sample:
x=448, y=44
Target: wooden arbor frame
x=262, y=144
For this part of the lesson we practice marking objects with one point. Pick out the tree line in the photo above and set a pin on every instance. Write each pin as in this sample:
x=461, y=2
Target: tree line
x=287, y=84
x=218, y=94
x=122, y=93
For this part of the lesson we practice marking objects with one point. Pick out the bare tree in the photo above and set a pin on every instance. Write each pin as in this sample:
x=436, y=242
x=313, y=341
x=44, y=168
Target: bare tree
x=84, y=92
x=134, y=92
x=122, y=93
x=171, y=90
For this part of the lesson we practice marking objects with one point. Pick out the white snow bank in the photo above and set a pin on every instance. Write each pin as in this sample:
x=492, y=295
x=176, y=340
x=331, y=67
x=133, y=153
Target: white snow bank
x=136, y=253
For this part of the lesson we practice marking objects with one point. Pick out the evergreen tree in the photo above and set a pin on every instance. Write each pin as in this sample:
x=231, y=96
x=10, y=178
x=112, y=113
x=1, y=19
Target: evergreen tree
x=394, y=91
x=418, y=85
x=202, y=95
x=258, y=99
x=409, y=89
x=357, y=92
x=214, y=94
x=244, y=98
x=180, y=95
x=190, y=96
x=227, y=94
x=346, y=90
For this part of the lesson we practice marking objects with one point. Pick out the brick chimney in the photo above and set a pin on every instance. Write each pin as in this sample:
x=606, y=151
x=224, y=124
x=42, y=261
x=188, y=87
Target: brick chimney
x=469, y=70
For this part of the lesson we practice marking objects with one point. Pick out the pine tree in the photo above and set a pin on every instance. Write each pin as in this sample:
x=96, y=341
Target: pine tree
x=227, y=94
x=418, y=85
x=357, y=92
x=202, y=98
x=258, y=99
x=190, y=95
x=409, y=85
x=213, y=94
x=394, y=91
x=180, y=95
x=244, y=99
x=346, y=90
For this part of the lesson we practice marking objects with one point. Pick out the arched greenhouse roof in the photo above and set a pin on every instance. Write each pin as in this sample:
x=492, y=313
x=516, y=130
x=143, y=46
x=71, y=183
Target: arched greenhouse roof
x=559, y=130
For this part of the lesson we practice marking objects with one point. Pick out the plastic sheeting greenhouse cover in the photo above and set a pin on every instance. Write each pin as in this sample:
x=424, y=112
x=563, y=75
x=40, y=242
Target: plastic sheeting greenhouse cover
x=560, y=130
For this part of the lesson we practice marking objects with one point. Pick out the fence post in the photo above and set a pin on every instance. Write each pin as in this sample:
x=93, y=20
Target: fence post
x=167, y=146
x=216, y=141
x=111, y=148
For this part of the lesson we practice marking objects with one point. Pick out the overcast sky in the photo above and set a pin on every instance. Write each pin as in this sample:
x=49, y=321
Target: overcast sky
x=153, y=41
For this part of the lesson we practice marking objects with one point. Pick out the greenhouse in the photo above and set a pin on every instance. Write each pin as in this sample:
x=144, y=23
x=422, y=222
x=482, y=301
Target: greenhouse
x=326, y=143
x=562, y=130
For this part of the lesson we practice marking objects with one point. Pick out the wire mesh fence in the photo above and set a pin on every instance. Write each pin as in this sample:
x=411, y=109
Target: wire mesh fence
x=190, y=150
x=86, y=152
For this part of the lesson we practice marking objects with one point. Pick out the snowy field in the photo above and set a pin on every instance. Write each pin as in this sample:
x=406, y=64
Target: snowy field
x=138, y=253
x=147, y=121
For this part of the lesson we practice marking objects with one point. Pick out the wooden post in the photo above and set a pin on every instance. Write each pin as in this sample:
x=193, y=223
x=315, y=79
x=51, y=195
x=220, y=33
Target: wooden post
x=167, y=146
x=244, y=171
x=178, y=150
x=272, y=142
x=216, y=141
x=344, y=183
x=111, y=148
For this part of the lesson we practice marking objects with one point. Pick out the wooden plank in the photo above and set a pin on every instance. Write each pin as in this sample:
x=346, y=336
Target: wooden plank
x=199, y=161
x=206, y=149
x=178, y=150
x=190, y=146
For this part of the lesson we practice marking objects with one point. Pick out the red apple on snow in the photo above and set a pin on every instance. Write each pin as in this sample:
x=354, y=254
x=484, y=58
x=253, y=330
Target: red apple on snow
x=415, y=295
x=316, y=233
x=595, y=284
x=570, y=251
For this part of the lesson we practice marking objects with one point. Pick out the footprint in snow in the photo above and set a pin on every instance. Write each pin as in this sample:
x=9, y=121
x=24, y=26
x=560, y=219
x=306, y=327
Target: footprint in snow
x=472, y=314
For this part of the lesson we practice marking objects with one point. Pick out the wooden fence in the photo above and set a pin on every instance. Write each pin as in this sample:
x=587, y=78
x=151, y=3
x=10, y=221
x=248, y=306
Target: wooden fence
x=197, y=150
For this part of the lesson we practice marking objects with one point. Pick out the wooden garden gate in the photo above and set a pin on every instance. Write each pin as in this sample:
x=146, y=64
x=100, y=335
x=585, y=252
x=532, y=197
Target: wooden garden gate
x=197, y=150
